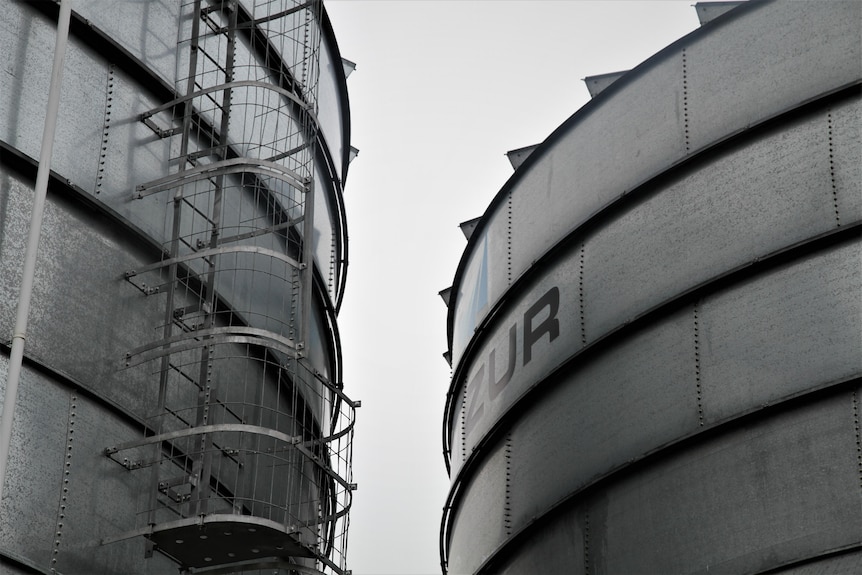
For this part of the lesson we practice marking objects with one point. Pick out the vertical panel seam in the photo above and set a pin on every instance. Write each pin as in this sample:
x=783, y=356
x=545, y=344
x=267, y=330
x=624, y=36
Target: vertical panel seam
x=507, y=505
x=587, y=543
x=464, y=426
x=509, y=240
x=832, y=169
x=697, y=378
x=103, y=152
x=64, y=493
x=581, y=295
x=331, y=286
x=855, y=400
x=685, y=101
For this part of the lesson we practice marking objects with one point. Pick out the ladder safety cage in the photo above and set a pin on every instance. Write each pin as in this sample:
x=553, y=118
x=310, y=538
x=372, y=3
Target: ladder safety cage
x=247, y=449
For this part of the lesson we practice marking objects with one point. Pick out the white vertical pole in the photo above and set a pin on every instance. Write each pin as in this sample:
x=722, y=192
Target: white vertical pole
x=17, y=355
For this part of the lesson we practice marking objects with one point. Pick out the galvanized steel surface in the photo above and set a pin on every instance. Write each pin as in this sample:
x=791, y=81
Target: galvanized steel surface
x=650, y=120
x=63, y=494
x=656, y=328
x=99, y=125
x=779, y=495
x=690, y=231
x=68, y=507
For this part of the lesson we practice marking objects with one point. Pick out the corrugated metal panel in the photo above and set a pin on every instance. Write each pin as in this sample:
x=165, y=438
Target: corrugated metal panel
x=63, y=331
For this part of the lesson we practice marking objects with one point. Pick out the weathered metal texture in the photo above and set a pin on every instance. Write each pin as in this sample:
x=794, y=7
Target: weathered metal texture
x=558, y=546
x=99, y=125
x=792, y=475
x=30, y=511
x=102, y=496
x=721, y=80
x=706, y=364
x=29, y=39
x=64, y=316
x=770, y=338
x=133, y=154
x=777, y=490
x=644, y=386
x=120, y=169
x=759, y=198
x=614, y=148
x=674, y=387
x=502, y=373
x=148, y=30
x=481, y=515
x=843, y=122
x=715, y=217
x=91, y=307
x=780, y=490
x=830, y=564
x=740, y=77
x=761, y=342
x=87, y=345
x=57, y=512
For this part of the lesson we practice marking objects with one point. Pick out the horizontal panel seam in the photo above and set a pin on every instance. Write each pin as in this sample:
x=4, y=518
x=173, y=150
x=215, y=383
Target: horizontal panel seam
x=731, y=277
x=580, y=231
x=667, y=449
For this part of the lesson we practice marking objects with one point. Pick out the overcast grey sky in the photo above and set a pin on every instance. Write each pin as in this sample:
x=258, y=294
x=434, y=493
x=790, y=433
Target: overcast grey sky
x=442, y=90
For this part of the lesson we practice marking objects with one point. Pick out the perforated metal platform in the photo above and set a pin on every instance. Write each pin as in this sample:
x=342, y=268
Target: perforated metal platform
x=226, y=540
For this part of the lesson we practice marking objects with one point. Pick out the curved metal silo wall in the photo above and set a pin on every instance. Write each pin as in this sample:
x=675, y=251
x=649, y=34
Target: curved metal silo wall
x=656, y=327
x=181, y=403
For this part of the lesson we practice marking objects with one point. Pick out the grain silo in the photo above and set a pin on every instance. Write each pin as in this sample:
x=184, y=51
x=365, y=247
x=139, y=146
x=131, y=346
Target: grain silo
x=656, y=327
x=180, y=402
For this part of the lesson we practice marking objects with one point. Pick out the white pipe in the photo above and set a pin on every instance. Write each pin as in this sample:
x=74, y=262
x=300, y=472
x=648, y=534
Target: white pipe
x=17, y=355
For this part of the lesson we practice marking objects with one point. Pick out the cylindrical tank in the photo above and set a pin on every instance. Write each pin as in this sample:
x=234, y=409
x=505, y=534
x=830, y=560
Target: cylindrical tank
x=181, y=402
x=656, y=327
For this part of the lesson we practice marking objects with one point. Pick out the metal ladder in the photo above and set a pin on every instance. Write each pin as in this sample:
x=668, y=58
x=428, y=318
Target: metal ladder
x=241, y=195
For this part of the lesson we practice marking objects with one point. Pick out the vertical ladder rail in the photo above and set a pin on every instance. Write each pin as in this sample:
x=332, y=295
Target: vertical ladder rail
x=168, y=321
x=203, y=448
